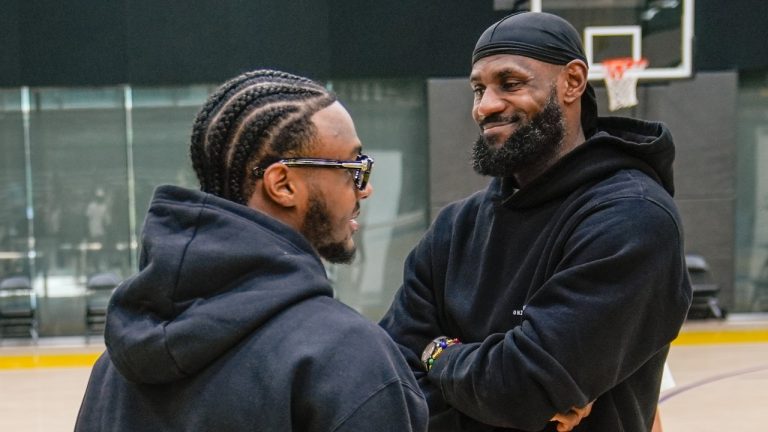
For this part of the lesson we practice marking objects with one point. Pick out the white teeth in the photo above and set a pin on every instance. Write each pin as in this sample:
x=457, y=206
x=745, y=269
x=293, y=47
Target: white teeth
x=354, y=224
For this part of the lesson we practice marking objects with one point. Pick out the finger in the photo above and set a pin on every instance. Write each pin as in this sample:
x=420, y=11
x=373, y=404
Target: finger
x=565, y=427
x=556, y=418
x=583, y=411
x=561, y=417
x=567, y=421
x=571, y=419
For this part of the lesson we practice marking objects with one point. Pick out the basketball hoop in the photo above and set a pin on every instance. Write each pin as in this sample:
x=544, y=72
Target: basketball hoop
x=621, y=81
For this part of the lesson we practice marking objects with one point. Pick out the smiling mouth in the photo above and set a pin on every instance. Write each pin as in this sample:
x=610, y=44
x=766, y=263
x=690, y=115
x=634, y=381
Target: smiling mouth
x=353, y=220
x=498, y=121
x=354, y=225
x=490, y=126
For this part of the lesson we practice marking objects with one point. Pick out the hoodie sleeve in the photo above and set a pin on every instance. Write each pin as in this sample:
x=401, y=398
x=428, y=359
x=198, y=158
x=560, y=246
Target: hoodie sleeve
x=394, y=407
x=414, y=319
x=617, y=297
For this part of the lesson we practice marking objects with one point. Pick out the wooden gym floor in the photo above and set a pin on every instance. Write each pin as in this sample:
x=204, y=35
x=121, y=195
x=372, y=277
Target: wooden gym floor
x=720, y=369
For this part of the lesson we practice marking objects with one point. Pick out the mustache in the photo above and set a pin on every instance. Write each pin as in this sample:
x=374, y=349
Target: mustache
x=499, y=118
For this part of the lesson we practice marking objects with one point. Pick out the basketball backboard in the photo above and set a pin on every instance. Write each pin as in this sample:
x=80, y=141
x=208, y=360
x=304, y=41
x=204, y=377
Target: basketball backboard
x=660, y=31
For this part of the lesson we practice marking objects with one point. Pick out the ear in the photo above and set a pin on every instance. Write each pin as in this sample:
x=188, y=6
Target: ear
x=280, y=186
x=575, y=81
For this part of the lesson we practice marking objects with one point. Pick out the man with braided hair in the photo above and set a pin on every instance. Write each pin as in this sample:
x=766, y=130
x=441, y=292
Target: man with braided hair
x=230, y=323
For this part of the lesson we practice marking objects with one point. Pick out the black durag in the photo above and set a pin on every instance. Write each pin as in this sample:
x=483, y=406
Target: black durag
x=543, y=37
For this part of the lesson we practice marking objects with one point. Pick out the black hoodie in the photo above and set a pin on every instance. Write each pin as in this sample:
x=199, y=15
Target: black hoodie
x=565, y=291
x=230, y=325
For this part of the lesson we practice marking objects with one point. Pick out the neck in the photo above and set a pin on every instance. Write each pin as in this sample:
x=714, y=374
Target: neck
x=285, y=215
x=571, y=140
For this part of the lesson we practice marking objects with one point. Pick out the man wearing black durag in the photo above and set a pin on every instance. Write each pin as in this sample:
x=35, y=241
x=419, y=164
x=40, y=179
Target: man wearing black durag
x=563, y=282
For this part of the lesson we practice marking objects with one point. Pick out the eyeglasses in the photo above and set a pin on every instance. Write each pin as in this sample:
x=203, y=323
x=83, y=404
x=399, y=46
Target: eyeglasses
x=361, y=167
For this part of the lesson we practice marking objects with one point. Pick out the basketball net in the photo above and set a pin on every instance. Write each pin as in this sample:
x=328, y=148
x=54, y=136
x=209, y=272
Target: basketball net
x=621, y=81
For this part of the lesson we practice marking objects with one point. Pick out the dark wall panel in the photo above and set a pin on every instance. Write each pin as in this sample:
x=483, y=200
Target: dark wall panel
x=705, y=164
x=71, y=42
x=705, y=138
x=290, y=35
x=10, y=68
x=406, y=38
x=49, y=42
x=90, y=42
x=731, y=34
x=451, y=135
x=176, y=41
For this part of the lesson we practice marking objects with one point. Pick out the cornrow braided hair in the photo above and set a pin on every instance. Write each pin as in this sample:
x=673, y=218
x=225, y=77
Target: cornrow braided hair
x=251, y=120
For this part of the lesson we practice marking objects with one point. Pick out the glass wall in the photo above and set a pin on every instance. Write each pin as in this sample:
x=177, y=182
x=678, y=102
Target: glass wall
x=161, y=122
x=79, y=166
x=391, y=120
x=14, y=223
x=752, y=194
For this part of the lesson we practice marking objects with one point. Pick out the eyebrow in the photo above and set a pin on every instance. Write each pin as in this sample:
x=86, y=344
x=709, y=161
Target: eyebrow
x=357, y=151
x=502, y=74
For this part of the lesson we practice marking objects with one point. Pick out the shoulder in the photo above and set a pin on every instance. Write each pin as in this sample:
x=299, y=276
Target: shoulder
x=626, y=208
x=634, y=190
x=350, y=367
x=393, y=406
x=341, y=334
x=629, y=182
x=322, y=343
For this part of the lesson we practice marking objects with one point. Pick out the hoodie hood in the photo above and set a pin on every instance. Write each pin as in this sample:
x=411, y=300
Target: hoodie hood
x=620, y=143
x=211, y=272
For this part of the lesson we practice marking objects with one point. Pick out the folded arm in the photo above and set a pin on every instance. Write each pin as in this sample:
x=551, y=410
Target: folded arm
x=613, y=301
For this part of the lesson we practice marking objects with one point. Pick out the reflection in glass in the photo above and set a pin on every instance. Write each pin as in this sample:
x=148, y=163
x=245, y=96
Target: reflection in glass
x=162, y=124
x=751, y=261
x=79, y=169
x=391, y=120
x=14, y=227
x=80, y=165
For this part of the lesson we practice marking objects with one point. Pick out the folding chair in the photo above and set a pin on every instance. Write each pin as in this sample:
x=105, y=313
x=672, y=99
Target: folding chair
x=760, y=290
x=705, y=303
x=98, y=291
x=18, y=307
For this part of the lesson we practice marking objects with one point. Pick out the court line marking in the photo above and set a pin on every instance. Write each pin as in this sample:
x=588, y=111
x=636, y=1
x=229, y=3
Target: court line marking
x=38, y=360
x=35, y=361
x=710, y=337
x=704, y=381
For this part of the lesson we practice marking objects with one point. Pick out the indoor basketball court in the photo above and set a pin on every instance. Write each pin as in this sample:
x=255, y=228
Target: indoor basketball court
x=641, y=60
x=721, y=365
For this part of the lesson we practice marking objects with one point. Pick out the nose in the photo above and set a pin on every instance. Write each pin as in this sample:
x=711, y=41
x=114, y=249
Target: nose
x=365, y=193
x=488, y=104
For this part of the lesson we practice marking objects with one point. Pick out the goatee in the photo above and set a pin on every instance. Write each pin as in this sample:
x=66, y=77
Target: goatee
x=317, y=228
x=532, y=146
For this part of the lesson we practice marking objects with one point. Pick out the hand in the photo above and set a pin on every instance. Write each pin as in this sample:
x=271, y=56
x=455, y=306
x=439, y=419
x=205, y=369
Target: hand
x=571, y=419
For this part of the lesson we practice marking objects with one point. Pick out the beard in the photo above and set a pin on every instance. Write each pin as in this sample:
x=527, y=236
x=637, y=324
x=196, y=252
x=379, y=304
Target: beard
x=532, y=146
x=318, y=229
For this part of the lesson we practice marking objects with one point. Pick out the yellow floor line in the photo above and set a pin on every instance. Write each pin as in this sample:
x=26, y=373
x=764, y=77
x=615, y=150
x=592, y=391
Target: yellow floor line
x=47, y=361
x=721, y=337
x=709, y=337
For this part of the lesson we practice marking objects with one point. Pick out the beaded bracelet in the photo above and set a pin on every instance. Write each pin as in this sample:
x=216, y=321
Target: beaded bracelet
x=435, y=349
